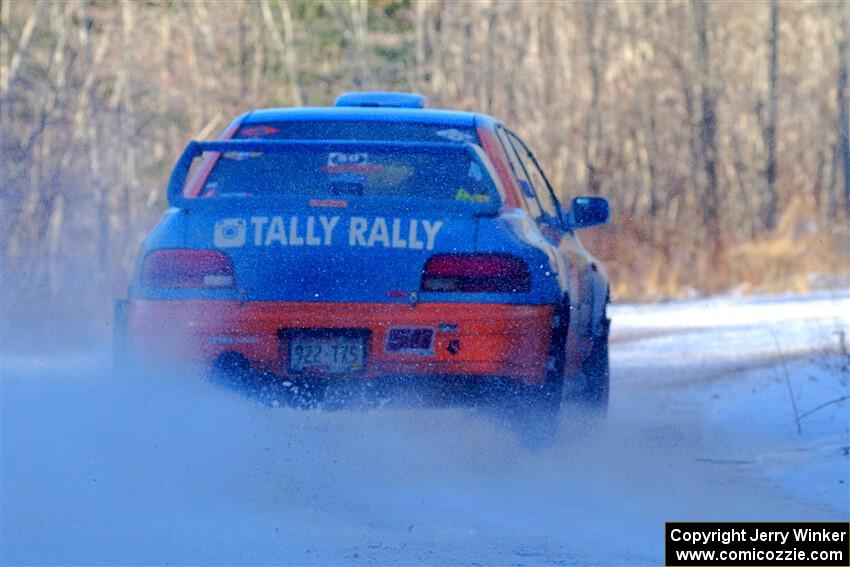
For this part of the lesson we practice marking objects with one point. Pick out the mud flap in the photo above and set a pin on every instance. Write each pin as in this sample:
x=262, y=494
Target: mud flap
x=597, y=373
x=539, y=406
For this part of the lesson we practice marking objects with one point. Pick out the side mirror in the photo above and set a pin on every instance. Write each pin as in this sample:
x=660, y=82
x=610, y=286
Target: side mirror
x=588, y=211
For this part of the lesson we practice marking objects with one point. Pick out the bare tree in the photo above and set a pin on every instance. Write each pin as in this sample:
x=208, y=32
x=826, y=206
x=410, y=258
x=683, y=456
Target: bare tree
x=594, y=118
x=707, y=126
x=843, y=99
x=716, y=145
x=283, y=40
x=771, y=206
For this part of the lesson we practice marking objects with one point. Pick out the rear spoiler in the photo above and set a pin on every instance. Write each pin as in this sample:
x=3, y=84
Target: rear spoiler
x=177, y=181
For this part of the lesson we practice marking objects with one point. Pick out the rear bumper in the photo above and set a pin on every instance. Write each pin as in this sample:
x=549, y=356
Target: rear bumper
x=471, y=339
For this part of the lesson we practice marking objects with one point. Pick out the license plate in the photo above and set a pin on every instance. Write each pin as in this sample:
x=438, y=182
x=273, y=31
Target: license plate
x=322, y=352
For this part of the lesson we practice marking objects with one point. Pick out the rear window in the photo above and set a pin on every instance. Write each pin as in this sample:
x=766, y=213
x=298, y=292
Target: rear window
x=358, y=130
x=325, y=171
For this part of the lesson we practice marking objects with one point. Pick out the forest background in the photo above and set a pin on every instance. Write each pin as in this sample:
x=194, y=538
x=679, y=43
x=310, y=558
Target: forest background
x=718, y=131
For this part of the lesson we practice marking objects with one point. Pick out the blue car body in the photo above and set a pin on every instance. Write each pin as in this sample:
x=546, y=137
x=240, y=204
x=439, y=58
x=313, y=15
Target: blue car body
x=372, y=239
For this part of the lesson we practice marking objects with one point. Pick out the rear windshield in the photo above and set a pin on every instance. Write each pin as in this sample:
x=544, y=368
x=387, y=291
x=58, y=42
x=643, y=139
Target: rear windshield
x=358, y=130
x=321, y=171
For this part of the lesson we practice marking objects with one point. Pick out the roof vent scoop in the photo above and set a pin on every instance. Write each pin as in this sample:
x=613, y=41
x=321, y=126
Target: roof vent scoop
x=381, y=99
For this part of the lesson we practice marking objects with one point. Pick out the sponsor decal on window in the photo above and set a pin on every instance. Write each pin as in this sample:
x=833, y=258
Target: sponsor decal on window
x=321, y=230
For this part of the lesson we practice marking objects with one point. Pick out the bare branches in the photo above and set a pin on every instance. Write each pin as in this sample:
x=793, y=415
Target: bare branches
x=771, y=207
x=9, y=75
x=665, y=108
x=284, y=43
x=843, y=98
x=787, y=376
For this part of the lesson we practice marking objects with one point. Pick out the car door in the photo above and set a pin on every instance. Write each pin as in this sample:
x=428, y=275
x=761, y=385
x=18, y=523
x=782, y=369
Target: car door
x=542, y=223
x=586, y=283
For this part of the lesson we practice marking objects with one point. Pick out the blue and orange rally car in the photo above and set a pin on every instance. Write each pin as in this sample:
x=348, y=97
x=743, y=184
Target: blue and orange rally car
x=374, y=240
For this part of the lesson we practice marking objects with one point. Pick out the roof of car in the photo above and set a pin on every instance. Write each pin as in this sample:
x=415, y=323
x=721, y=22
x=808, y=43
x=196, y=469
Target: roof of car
x=410, y=115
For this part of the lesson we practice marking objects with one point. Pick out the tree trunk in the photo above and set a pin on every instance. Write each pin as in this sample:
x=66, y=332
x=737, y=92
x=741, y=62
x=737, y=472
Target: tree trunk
x=843, y=99
x=359, y=12
x=592, y=128
x=284, y=44
x=771, y=207
x=709, y=203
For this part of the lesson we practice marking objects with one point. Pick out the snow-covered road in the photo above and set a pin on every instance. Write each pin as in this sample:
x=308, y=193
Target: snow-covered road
x=103, y=469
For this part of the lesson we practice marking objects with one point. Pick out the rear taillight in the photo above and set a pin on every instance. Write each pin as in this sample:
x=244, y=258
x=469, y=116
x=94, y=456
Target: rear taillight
x=183, y=268
x=494, y=273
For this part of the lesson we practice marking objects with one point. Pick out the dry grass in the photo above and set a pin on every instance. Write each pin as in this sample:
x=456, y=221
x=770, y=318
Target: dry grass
x=797, y=257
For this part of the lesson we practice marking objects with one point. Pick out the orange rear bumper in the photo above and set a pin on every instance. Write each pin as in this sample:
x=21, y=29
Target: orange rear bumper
x=509, y=341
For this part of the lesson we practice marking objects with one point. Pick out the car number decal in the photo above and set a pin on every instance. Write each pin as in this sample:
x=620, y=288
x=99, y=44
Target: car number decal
x=410, y=340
